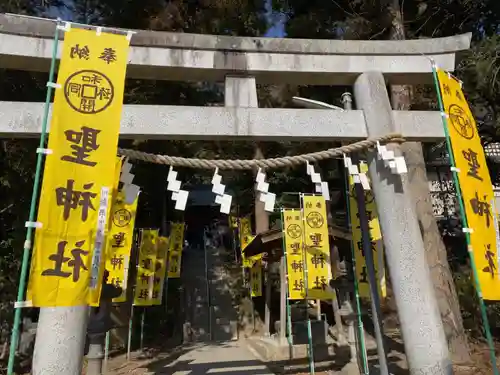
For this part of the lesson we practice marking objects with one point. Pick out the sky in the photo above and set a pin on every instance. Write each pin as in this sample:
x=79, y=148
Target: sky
x=276, y=30
x=277, y=21
x=64, y=14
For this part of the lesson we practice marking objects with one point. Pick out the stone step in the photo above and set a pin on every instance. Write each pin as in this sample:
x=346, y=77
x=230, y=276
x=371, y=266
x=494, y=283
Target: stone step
x=226, y=317
x=220, y=315
x=219, y=304
x=224, y=329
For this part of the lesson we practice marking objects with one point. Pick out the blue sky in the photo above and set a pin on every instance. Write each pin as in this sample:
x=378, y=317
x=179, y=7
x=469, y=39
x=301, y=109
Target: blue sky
x=276, y=30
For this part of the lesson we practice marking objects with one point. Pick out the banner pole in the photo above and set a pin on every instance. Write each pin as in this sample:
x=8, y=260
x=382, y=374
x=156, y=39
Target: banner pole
x=106, y=352
x=167, y=258
x=141, y=344
x=482, y=306
x=130, y=326
x=306, y=286
x=209, y=302
x=165, y=287
x=34, y=198
x=246, y=278
x=288, y=307
x=372, y=277
x=137, y=241
x=233, y=240
x=361, y=333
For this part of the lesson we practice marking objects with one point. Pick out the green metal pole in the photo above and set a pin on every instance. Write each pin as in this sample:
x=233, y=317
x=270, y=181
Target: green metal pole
x=306, y=286
x=130, y=326
x=141, y=343
x=34, y=198
x=167, y=258
x=165, y=287
x=233, y=238
x=209, y=300
x=361, y=334
x=288, y=308
x=106, y=352
x=486, y=324
x=246, y=275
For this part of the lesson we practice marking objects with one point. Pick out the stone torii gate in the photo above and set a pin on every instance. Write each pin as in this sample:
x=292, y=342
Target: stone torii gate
x=241, y=63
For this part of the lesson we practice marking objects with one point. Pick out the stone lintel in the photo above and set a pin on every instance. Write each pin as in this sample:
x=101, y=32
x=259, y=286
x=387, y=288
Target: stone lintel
x=24, y=119
x=26, y=44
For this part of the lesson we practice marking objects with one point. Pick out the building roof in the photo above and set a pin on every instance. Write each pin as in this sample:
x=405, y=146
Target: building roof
x=271, y=242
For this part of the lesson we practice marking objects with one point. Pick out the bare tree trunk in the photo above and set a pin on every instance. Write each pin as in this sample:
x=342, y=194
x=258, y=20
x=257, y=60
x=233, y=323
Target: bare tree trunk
x=262, y=225
x=5, y=347
x=434, y=247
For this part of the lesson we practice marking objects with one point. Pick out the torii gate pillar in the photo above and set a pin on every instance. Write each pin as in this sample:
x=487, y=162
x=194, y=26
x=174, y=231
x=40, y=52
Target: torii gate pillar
x=424, y=339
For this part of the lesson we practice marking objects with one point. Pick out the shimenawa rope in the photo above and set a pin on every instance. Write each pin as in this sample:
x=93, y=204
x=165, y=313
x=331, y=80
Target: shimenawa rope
x=286, y=161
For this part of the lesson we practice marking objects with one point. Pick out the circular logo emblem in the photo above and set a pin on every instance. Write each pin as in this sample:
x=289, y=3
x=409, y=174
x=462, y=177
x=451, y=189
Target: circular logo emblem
x=315, y=220
x=294, y=230
x=461, y=121
x=122, y=217
x=88, y=91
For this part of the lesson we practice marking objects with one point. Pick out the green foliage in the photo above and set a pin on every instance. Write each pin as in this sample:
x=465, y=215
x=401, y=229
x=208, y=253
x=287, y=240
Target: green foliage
x=362, y=19
x=17, y=166
x=479, y=70
x=30, y=7
x=231, y=17
x=16, y=175
x=470, y=307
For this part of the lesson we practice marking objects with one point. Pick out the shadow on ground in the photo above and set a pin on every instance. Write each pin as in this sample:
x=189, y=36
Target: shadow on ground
x=178, y=362
x=199, y=359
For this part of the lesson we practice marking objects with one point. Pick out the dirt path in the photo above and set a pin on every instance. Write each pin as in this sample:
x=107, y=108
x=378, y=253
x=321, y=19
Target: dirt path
x=199, y=359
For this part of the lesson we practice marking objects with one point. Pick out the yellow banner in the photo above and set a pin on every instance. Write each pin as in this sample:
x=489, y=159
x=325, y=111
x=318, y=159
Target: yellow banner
x=293, y=230
x=79, y=173
x=95, y=294
x=317, y=246
x=176, y=237
x=233, y=222
x=248, y=262
x=175, y=252
x=120, y=240
x=245, y=232
x=174, y=265
x=160, y=270
x=256, y=279
x=146, y=267
x=376, y=240
x=475, y=184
